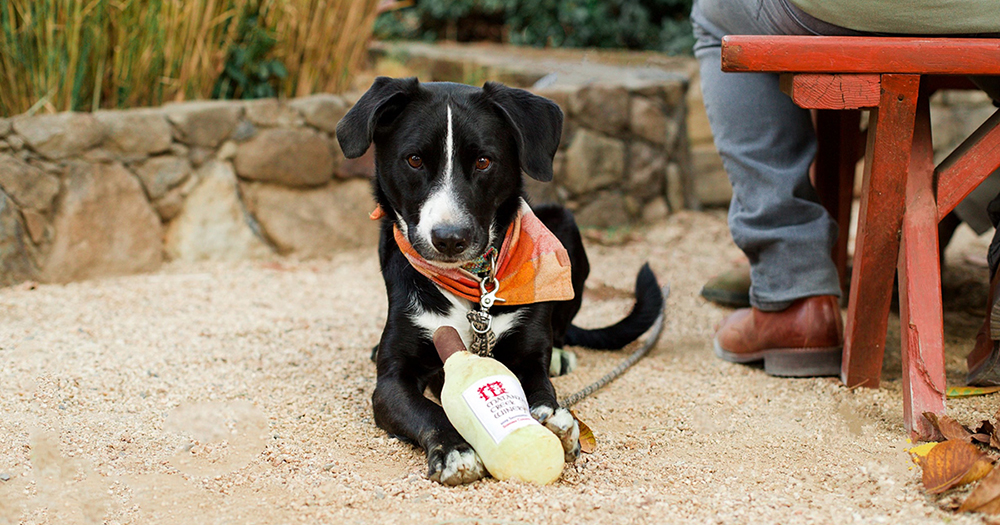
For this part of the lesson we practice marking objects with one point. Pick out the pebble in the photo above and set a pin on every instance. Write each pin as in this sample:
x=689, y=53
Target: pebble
x=4, y=476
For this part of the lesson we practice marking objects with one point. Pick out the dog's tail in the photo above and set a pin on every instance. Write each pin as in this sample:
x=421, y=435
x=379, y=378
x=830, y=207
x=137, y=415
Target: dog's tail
x=648, y=305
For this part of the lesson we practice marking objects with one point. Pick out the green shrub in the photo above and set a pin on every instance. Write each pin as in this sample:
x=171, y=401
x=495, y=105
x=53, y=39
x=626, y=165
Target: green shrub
x=660, y=25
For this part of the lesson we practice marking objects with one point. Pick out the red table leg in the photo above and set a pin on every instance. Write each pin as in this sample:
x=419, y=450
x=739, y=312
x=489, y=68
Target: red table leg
x=920, y=311
x=890, y=140
x=837, y=134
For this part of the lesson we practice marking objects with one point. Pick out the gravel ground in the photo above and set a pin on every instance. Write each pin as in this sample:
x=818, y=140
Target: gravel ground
x=240, y=393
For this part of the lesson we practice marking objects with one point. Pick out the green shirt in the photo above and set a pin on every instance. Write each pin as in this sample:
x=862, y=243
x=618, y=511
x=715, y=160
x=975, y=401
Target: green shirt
x=917, y=17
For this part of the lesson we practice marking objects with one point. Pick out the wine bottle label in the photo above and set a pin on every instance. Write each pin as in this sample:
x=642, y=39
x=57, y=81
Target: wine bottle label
x=499, y=403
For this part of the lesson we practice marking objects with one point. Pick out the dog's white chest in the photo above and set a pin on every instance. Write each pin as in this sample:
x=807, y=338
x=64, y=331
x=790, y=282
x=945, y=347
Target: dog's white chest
x=456, y=317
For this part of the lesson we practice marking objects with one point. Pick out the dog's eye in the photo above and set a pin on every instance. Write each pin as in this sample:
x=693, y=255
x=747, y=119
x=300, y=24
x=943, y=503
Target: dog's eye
x=415, y=161
x=483, y=163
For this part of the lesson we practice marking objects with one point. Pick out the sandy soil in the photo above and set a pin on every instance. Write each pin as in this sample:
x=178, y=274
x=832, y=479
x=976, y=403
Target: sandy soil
x=240, y=393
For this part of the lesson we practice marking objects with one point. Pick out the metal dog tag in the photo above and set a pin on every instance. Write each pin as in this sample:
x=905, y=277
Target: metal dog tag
x=483, y=338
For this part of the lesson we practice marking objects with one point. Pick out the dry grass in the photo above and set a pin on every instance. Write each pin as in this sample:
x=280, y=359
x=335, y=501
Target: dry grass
x=58, y=55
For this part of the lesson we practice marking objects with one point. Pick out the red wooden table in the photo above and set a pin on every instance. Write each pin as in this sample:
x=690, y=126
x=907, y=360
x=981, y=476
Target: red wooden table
x=904, y=195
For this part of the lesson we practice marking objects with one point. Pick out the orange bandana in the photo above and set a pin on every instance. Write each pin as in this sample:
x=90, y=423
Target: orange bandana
x=532, y=267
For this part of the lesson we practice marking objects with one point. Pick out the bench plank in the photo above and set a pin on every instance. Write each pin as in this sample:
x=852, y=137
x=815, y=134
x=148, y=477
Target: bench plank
x=829, y=91
x=832, y=54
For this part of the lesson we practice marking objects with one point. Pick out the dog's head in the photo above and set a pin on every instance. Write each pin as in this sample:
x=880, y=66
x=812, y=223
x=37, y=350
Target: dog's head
x=449, y=157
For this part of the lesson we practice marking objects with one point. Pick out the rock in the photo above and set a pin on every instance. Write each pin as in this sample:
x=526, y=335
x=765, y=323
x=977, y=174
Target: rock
x=137, y=131
x=171, y=204
x=647, y=170
x=103, y=226
x=179, y=149
x=321, y=111
x=609, y=209
x=16, y=264
x=593, y=161
x=601, y=107
x=30, y=187
x=16, y=143
x=199, y=156
x=317, y=222
x=212, y=224
x=560, y=94
x=677, y=190
x=244, y=131
x=205, y=123
x=711, y=184
x=4, y=127
x=61, y=135
x=293, y=157
x=4, y=146
x=362, y=167
x=36, y=224
x=159, y=174
x=648, y=121
x=269, y=113
x=227, y=151
x=655, y=210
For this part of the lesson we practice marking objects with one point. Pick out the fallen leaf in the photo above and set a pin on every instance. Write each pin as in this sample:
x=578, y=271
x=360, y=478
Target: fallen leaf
x=588, y=443
x=985, y=497
x=953, y=463
x=948, y=427
x=919, y=452
x=969, y=391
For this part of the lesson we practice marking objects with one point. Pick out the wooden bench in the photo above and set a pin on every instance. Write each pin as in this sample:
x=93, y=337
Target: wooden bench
x=904, y=195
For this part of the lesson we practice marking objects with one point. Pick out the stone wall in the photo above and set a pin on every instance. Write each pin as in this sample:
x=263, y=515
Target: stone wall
x=114, y=192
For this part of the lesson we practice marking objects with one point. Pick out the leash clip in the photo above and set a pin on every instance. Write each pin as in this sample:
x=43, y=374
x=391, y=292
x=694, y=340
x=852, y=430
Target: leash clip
x=480, y=320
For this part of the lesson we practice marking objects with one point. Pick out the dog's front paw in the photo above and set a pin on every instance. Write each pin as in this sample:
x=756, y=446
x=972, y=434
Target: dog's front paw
x=455, y=466
x=562, y=423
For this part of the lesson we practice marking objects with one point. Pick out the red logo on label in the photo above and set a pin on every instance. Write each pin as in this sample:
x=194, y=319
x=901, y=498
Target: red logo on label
x=491, y=390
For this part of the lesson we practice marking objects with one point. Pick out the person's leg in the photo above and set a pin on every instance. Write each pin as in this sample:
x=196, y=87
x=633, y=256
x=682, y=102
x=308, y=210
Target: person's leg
x=767, y=145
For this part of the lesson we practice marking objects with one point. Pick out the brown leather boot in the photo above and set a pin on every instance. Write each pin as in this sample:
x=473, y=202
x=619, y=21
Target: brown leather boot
x=804, y=340
x=984, y=359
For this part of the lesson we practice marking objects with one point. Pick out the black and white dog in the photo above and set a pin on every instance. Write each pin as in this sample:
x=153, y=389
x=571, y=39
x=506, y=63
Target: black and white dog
x=448, y=164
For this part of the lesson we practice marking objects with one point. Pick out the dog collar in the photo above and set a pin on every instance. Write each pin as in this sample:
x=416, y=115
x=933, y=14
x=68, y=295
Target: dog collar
x=532, y=266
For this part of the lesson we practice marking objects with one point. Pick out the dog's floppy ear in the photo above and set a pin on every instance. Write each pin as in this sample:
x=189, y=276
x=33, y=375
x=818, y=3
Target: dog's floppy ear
x=537, y=123
x=385, y=99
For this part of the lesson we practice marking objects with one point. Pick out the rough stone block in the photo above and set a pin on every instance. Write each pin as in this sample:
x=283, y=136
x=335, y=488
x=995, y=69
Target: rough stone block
x=711, y=184
x=103, y=226
x=16, y=264
x=212, y=224
x=205, y=123
x=647, y=170
x=4, y=127
x=143, y=132
x=293, y=157
x=601, y=107
x=647, y=120
x=593, y=161
x=316, y=222
x=160, y=174
x=321, y=111
x=269, y=113
x=61, y=135
x=30, y=187
x=608, y=209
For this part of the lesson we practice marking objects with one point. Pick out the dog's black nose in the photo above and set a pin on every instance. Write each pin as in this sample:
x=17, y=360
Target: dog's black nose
x=450, y=239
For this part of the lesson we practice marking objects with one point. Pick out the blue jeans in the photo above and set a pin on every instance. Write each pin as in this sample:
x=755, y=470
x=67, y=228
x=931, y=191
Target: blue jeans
x=767, y=144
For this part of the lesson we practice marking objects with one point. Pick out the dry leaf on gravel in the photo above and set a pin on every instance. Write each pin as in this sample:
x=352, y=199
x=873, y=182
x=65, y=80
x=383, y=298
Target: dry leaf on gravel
x=953, y=463
x=588, y=443
x=968, y=391
x=985, y=497
x=919, y=452
x=949, y=428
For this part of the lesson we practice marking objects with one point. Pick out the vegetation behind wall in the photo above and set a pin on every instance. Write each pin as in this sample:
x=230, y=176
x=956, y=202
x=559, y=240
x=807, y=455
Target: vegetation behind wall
x=660, y=25
x=81, y=55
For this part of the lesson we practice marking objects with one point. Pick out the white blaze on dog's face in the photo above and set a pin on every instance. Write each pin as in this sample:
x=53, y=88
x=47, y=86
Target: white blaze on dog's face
x=449, y=158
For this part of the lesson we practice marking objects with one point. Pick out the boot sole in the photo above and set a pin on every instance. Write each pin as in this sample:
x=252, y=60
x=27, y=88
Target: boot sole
x=789, y=362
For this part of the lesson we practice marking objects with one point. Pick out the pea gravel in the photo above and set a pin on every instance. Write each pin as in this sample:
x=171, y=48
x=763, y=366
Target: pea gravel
x=240, y=393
